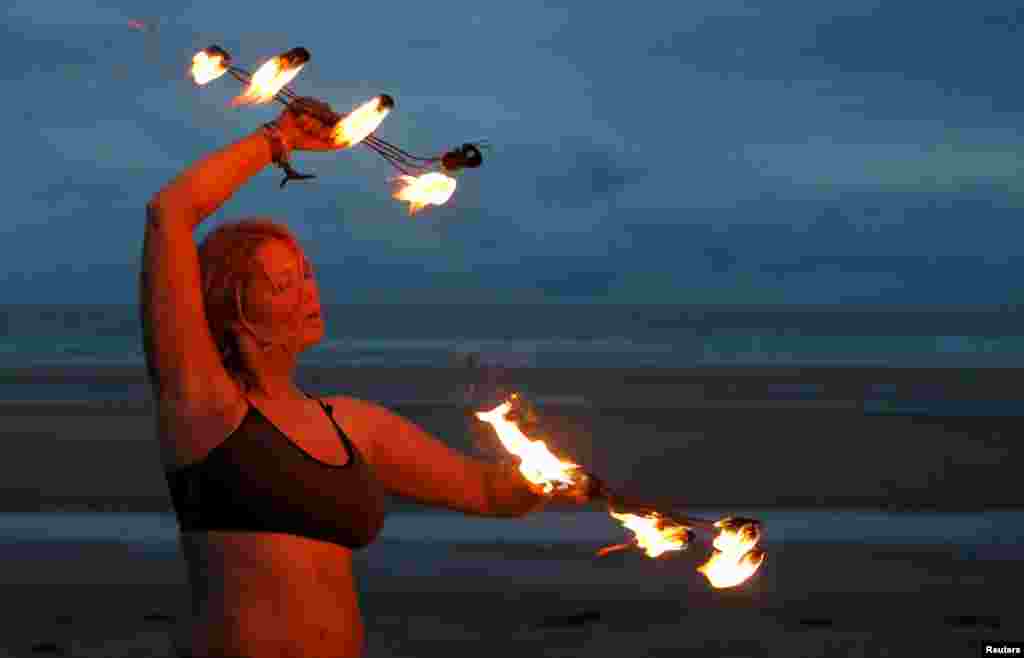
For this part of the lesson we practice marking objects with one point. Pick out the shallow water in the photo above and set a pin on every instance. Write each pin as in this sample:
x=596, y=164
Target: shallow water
x=964, y=529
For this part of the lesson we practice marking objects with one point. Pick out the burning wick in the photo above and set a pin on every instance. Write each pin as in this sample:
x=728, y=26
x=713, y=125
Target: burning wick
x=430, y=188
x=418, y=183
x=272, y=76
x=735, y=558
x=209, y=64
x=653, y=533
x=613, y=548
x=537, y=464
x=357, y=125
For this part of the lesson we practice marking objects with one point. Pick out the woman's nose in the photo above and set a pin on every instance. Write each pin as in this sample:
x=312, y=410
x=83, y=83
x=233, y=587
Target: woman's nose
x=309, y=291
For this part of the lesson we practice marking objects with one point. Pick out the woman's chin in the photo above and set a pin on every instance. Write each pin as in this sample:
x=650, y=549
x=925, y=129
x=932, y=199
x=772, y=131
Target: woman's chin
x=314, y=334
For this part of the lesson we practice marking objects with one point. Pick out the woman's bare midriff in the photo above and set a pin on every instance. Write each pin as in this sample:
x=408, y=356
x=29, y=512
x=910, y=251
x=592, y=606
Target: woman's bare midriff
x=269, y=594
x=258, y=594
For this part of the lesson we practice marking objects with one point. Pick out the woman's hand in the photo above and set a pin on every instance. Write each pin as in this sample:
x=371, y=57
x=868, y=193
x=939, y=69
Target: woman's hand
x=308, y=125
x=585, y=489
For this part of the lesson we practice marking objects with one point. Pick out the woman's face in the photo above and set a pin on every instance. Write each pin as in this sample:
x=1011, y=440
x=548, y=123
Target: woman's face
x=286, y=299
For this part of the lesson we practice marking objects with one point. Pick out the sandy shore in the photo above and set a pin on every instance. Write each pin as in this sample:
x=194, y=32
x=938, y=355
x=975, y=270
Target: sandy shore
x=555, y=600
x=705, y=438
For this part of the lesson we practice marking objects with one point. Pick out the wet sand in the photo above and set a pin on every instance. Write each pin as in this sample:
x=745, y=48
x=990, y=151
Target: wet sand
x=553, y=600
x=709, y=438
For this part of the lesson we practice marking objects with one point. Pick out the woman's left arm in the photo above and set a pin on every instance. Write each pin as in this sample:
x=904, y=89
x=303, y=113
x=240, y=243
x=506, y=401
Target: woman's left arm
x=412, y=463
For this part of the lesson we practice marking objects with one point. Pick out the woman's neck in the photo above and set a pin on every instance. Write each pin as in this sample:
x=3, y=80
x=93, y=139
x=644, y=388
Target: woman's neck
x=272, y=391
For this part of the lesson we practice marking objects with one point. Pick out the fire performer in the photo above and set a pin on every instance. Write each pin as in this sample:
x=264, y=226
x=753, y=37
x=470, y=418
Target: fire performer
x=272, y=496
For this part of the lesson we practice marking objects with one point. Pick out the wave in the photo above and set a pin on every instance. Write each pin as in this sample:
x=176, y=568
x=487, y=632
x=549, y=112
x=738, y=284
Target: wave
x=601, y=352
x=1004, y=527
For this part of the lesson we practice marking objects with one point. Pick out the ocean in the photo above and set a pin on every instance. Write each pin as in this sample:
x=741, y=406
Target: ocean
x=839, y=339
x=990, y=528
x=572, y=335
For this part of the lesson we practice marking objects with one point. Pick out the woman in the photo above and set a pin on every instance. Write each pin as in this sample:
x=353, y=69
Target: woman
x=272, y=496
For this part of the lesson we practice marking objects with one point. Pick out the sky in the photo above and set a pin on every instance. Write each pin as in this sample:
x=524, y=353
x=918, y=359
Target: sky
x=703, y=152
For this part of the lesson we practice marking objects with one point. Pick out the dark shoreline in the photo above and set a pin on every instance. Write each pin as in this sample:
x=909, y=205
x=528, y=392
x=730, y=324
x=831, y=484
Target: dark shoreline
x=713, y=437
x=160, y=506
x=609, y=388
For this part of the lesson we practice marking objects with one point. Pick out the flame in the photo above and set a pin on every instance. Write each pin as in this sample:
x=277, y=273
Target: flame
x=274, y=74
x=209, y=64
x=430, y=188
x=724, y=570
x=614, y=547
x=653, y=533
x=355, y=126
x=537, y=464
x=735, y=558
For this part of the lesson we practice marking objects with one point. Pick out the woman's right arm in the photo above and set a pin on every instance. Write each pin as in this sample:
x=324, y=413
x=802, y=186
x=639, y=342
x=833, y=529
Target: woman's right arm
x=184, y=365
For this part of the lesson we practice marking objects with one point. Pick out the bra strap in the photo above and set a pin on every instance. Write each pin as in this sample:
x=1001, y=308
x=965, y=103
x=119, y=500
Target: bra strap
x=324, y=405
x=329, y=409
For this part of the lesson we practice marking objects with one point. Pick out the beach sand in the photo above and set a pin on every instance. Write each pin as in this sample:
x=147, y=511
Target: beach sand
x=709, y=438
x=107, y=600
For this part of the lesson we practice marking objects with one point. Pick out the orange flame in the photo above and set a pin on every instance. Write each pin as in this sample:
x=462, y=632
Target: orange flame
x=735, y=558
x=653, y=533
x=274, y=74
x=537, y=464
x=355, y=126
x=431, y=188
x=208, y=65
x=613, y=548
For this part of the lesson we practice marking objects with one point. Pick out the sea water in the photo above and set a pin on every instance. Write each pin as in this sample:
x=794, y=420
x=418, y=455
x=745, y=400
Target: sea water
x=997, y=527
x=569, y=335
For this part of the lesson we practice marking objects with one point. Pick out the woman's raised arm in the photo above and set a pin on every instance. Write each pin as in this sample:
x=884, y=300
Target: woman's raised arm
x=189, y=381
x=184, y=365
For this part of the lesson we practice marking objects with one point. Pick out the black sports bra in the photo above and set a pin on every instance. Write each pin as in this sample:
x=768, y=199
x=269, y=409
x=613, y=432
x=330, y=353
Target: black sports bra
x=258, y=480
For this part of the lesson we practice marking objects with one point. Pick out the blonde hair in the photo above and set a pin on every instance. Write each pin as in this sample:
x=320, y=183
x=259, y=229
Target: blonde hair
x=227, y=262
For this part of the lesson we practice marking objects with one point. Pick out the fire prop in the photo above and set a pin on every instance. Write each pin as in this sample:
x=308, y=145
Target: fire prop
x=653, y=533
x=735, y=557
x=418, y=182
x=537, y=464
x=435, y=188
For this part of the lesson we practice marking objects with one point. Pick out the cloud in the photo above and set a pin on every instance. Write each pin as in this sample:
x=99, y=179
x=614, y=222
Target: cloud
x=821, y=161
x=940, y=47
x=578, y=284
x=80, y=13
x=722, y=151
x=108, y=144
x=425, y=44
x=42, y=52
x=464, y=111
x=582, y=175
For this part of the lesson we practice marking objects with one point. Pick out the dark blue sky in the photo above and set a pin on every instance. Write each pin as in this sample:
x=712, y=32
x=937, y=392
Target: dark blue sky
x=700, y=152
